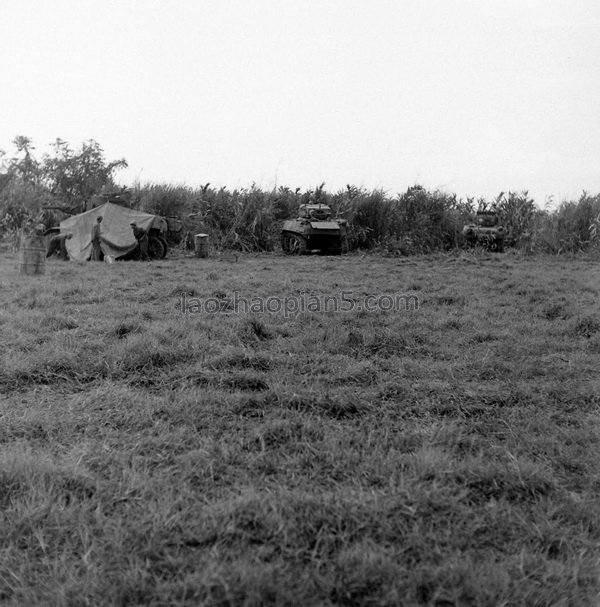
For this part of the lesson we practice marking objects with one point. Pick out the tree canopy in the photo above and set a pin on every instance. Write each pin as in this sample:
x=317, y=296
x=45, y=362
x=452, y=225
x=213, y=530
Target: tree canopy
x=64, y=178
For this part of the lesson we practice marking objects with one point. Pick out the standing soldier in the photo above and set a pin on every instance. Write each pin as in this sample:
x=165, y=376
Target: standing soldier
x=142, y=239
x=96, y=241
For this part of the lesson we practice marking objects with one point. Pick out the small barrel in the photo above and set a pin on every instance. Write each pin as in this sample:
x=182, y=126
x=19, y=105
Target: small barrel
x=32, y=257
x=201, y=245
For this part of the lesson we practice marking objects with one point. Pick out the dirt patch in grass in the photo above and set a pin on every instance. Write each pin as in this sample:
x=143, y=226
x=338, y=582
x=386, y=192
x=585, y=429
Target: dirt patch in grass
x=586, y=327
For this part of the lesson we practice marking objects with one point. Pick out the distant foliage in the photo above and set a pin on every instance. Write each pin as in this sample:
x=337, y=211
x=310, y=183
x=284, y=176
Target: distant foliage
x=245, y=220
x=249, y=219
x=75, y=176
x=517, y=213
x=32, y=189
x=416, y=221
x=572, y=228
x=595, y=231
x=165, y=200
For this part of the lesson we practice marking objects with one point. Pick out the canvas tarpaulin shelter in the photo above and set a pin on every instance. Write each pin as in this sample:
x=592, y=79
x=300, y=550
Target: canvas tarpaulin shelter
x=117, y=235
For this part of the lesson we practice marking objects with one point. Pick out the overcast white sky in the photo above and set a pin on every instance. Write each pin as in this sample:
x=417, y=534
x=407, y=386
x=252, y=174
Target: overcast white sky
x=470, y=96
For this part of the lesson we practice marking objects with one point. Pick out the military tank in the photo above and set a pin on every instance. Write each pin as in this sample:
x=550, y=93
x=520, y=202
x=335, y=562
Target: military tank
x=486, y=231
x=315, y=231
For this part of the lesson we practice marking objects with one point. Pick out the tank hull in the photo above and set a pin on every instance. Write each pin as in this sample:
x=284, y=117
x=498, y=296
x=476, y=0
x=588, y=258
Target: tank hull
x=314, y=231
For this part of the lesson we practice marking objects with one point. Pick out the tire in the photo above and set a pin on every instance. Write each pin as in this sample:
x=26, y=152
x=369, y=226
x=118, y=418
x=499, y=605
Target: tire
x=293, y=244
x=284, y=243
x=166, y=247
x=157, y=249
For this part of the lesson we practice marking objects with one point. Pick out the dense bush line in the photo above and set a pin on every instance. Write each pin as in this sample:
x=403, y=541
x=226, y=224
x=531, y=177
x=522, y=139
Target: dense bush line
x=249, y=219
x=416, y=221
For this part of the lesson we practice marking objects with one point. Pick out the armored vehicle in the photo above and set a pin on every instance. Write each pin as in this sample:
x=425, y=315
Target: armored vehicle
x=486, y=231
x=314, y=230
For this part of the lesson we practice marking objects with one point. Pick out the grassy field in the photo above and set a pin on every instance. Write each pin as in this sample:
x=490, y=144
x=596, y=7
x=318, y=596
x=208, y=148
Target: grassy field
x=444, y=455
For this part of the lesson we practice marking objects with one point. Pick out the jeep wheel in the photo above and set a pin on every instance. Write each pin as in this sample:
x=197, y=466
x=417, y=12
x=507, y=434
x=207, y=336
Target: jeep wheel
x=157, y=248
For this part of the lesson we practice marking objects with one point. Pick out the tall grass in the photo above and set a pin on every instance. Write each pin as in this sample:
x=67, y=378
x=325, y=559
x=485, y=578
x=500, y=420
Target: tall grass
x=250, y=219
x=415, y=221
x=572, y=227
